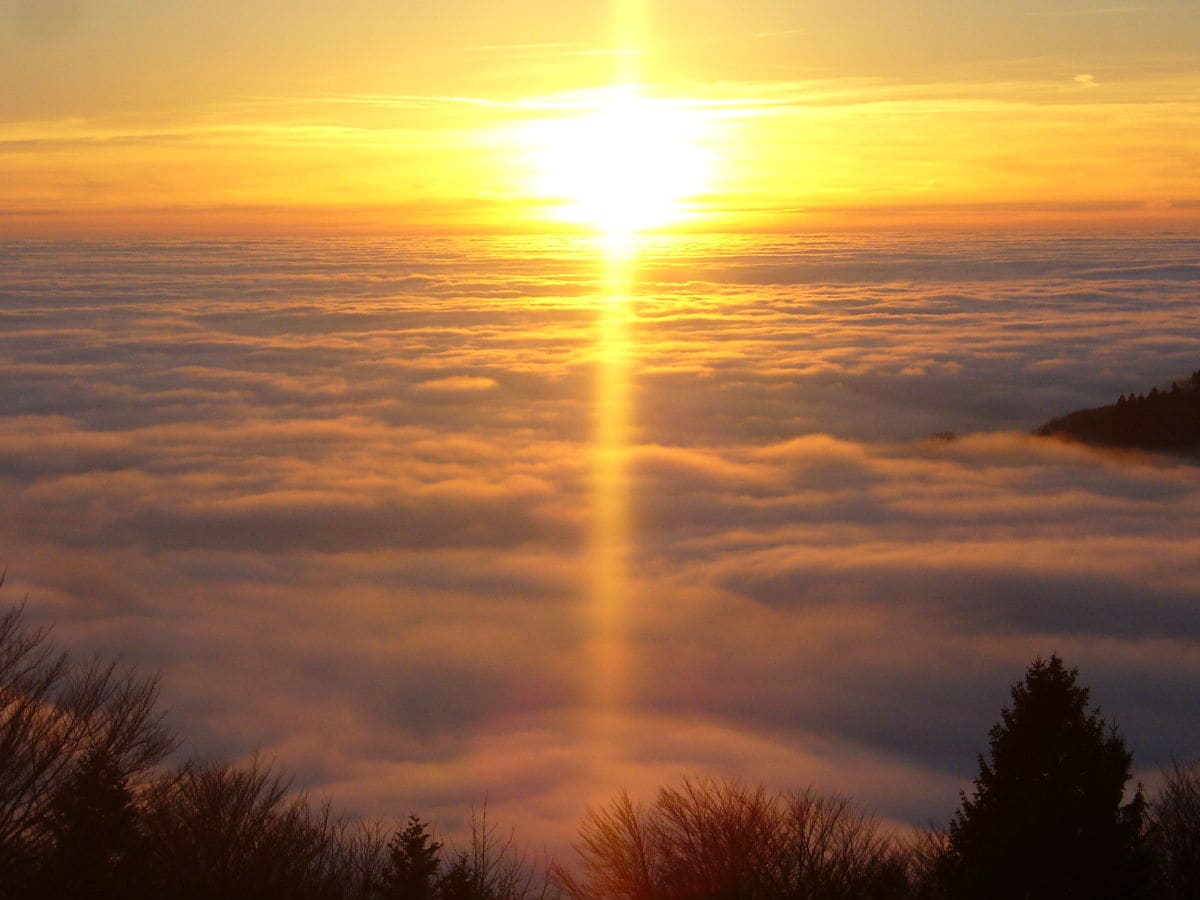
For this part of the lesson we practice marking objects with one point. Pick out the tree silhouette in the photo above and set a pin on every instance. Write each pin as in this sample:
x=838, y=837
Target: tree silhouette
x=1046, y=818
x=928, y=857
x=489, y=867
x=412, y=863
x=458, y=882
x=492, y=867
x=713, y=839
x=1160, y=421
x=239, y=833
x=55, y=715
x=1175, y=833
x=95, y=834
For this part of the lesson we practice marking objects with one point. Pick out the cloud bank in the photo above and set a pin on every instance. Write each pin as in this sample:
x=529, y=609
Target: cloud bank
x=342, y=495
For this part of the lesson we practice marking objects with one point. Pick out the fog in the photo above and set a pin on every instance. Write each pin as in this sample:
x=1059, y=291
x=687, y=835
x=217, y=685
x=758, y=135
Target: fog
x=341, y=494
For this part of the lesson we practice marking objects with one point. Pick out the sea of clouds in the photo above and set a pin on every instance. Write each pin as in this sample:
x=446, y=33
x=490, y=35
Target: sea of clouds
x=341, y=495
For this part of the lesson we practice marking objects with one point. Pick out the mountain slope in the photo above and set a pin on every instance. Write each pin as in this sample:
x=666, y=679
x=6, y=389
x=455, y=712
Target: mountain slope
x=1164, y=421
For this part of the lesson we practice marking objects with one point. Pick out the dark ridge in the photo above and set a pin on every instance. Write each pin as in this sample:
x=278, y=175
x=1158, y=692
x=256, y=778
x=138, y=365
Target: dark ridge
x=1166, y=421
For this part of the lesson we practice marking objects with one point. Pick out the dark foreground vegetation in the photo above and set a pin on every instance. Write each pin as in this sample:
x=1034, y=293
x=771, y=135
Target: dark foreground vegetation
x=89, y=808
x=1161, y=421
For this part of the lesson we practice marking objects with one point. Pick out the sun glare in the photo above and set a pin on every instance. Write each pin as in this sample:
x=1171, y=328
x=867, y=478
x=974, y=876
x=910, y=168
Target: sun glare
x=629, y=163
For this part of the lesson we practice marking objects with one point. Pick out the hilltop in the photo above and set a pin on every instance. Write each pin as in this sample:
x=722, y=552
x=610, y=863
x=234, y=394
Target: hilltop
x=1165, y=421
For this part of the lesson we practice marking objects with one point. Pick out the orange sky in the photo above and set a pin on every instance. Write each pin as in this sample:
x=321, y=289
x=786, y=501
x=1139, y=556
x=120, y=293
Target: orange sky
x=361, y=116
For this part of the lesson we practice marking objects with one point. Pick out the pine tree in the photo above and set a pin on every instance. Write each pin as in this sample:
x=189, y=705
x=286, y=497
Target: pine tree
x=1046, y=819
x=94, y=830
x=412, y=864
x=458, y=882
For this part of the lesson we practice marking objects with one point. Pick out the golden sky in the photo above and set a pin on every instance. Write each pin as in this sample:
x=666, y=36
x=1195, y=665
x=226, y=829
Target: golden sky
x=367, y=115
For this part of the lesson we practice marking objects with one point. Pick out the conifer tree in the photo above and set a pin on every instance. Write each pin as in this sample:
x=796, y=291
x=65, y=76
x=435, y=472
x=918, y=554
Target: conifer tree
x=1046, y=819
x=458, y=882
x=412, y=863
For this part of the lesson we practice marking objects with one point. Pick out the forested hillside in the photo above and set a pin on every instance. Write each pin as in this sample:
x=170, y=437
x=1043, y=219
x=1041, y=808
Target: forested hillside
x=1166, y=421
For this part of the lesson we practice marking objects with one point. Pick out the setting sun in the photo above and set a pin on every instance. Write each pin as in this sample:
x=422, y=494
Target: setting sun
x=626, y=163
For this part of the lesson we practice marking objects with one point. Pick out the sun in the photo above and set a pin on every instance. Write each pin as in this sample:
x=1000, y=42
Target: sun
x=628, y=162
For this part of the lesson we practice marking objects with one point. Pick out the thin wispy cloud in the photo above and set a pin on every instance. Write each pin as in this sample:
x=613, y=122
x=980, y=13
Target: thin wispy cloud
x=1095, y=11
x=553, y=48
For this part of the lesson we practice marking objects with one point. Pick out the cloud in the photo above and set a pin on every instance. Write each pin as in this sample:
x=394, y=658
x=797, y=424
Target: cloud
x=458, y=384
x=344, y=498
x=1092, y=11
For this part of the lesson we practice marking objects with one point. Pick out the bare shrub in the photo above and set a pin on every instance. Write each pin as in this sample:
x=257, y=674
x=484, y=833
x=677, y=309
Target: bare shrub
x=224, y=831
x=1174, y=833
x=716, y=839
x=493, y=867
x=54, y=714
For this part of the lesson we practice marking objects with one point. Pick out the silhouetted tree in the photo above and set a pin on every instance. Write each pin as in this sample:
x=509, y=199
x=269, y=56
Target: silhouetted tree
x=1046, y=818
x=54, y=715
x=1174, y=833
x=241, y=834
x=492, y=867
x=458, y=882
x=712, y=839
x=720, y=839
x=834, y=851
x=93, y=825
x=1162, y=421
x=88, y=811
x=928, y=860
x=361, y=853
x=412, y=863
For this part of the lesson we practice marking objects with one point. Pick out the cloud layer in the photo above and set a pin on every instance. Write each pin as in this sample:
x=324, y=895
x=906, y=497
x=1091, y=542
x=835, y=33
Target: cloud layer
x=342, y=495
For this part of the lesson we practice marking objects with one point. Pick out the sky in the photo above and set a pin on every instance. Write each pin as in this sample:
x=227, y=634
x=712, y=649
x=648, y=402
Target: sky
x=370, y=116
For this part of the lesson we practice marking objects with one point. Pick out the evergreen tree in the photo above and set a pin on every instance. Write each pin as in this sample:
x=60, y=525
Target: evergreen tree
x=94, y=831
x=458, y=882
x=412, y=863
x=1046, y=819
